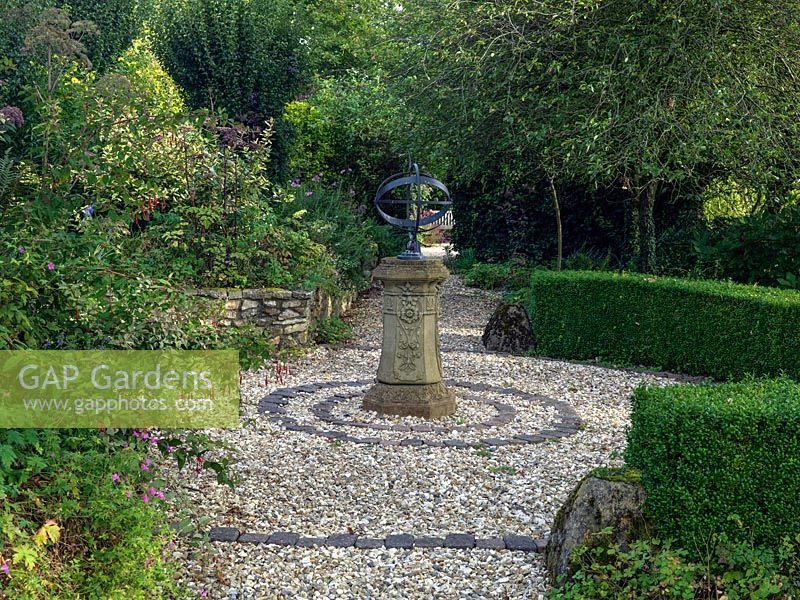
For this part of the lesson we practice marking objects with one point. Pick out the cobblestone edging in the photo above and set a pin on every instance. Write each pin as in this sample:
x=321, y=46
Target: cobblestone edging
x=567, y=421
x=403, y=541
x=286, y=316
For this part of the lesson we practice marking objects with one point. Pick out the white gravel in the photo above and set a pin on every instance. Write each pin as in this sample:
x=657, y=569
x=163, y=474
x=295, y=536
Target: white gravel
x=293, y=481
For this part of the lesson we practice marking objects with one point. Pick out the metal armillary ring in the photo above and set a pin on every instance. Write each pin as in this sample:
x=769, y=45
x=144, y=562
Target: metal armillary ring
x=397, y=207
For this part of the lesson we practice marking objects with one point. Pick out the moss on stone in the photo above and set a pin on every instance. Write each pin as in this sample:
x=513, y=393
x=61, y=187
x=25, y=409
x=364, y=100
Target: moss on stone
x=623, y=474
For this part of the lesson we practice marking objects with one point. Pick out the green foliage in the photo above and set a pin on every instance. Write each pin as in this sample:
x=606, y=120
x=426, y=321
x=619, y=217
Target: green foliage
x=332, y=219
x=698, y=327
x=342, y=34
x=652, y=100
x=148, y=88
x=655, y=570
x=463, y=261
x=332, y=331
x=73, y=522
x=763, y=248
x=353, y=126
x=500, y=219
x=118, y=22
x=244, y=57
x=719, y=459
x=586, y=260
x=487, y=276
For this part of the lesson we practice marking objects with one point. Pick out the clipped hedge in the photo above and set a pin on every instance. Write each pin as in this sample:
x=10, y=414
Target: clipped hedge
x=720, y=329
x=719, y=459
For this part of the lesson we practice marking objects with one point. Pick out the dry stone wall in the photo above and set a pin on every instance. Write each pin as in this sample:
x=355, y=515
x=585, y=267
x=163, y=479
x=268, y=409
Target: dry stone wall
x=285, y=316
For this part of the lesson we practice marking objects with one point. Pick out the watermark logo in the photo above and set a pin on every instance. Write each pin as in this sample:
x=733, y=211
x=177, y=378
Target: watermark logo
x=119, y=388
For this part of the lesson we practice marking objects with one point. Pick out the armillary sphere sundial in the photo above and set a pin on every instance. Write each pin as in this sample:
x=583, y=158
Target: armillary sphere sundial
x=410, y=371
x=401, y=203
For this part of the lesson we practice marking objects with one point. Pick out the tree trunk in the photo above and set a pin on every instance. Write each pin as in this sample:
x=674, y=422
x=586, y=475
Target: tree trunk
x=630, y=242
x=559, y=230
x=647, y=231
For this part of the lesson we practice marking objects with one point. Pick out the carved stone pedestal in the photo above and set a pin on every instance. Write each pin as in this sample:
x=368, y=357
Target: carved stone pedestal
x=410, y=371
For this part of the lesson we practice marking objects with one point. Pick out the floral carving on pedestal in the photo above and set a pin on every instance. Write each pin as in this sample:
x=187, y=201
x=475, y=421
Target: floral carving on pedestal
x=409, y=316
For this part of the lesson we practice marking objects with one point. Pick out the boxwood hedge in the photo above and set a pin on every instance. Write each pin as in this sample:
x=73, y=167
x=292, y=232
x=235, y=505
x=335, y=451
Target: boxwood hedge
x=720, y=329
x=719, y=459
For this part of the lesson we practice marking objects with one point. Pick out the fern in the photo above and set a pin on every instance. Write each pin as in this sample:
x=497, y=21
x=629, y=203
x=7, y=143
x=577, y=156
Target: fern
x=8, y=174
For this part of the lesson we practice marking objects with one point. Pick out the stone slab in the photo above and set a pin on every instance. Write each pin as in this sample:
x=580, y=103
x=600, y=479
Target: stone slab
x=254, y=538
x=341, y=540
x=284, y=538
x=224, y=534
x=460, y=541
x=490, y=544
x=310, y=542
x=402, y=540
x=521, y=543
x=428, y=542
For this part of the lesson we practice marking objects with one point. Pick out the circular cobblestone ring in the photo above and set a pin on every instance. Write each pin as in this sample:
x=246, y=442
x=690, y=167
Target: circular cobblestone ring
x=565, y=423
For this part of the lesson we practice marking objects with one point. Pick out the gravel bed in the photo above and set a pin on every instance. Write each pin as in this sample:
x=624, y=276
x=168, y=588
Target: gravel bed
x=473, y=411
x=292, y=481
x=270, y=572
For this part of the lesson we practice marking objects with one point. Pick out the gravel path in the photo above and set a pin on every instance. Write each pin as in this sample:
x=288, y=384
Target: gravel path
x=296, y=482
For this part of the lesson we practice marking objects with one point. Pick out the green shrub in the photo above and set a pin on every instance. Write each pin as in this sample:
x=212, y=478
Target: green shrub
x=655, y=570
x=723, y=330
x=239, y=56
x=331, y=218
x=719, y=459
x=332, y=331
x=352, y=125
x=763, y=248
x=118, y=22
x=463, y=261
x=487, y=276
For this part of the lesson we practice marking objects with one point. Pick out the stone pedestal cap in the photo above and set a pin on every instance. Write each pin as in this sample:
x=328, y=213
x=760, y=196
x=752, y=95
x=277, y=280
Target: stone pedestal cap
x=396, y=269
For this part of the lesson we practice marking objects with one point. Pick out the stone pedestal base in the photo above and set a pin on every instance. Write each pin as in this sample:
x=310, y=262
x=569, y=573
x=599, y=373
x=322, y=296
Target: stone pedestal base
x=410, y=370
x=429, y=401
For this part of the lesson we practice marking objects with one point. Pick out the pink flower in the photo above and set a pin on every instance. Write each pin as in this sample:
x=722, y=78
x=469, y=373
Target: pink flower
x=202, y=593
x=144, y=467
x=21, y=250
x=4, y=568
x=170, y=448
x=128, y=493
x=309, y=194
x=145, y=435
x=51, y=266
x=115, y=477
x=160, y=495
x=152, y=491
x=145, y=498
x=136, y=434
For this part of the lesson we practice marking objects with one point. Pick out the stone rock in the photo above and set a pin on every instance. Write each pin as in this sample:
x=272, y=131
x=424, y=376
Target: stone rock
x=596, y=503
x=509, y=330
